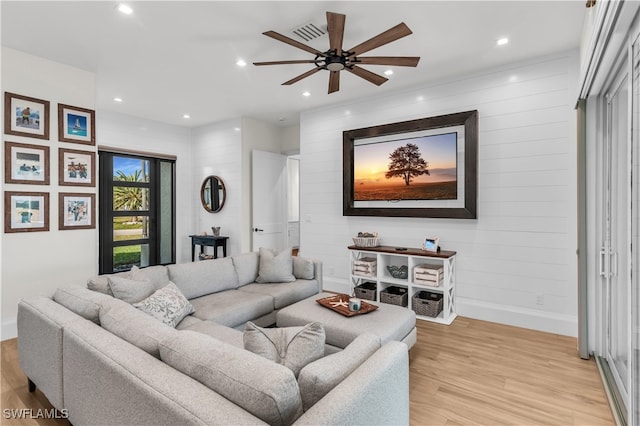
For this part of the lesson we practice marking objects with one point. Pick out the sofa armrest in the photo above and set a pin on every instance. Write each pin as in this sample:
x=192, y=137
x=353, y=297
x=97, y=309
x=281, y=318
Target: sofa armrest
x=377, y=392
x=41, y=323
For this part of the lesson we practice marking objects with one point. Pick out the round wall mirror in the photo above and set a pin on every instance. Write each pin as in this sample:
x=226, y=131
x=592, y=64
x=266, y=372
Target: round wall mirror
x=213, y=194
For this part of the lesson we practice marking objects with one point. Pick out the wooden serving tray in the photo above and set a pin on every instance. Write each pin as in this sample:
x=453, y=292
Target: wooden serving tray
x=365, y=307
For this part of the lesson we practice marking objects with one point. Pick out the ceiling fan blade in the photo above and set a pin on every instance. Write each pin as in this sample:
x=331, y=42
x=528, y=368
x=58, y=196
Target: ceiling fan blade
x=335, y=28
x=334, y=81
x=392, y=34
x=304, y=61
x=301, y=76
x=400, y=61
x=367, y=75
x=292, y=42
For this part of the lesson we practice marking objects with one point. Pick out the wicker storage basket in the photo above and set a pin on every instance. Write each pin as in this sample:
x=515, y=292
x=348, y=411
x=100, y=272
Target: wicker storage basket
x=366, y=241
x=395, y=295
x=366, y=291
x=364, y=267
x=427, y=303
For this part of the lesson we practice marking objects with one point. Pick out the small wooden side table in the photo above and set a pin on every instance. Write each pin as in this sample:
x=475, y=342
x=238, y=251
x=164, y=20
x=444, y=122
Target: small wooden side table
x=208, y=240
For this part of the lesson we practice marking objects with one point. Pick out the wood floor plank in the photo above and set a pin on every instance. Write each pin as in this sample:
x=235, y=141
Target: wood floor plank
x=471, y=373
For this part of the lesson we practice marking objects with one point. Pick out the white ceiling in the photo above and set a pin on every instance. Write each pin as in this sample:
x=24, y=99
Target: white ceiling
x=169, y=58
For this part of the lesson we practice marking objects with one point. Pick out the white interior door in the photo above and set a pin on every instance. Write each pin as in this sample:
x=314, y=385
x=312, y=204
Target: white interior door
x=269, y=200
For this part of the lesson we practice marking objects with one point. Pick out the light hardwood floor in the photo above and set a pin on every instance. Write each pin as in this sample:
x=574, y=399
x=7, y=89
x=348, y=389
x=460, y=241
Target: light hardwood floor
x=470, y=373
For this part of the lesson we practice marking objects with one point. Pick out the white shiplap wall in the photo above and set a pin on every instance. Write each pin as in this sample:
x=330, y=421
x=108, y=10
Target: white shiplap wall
x=521, y=249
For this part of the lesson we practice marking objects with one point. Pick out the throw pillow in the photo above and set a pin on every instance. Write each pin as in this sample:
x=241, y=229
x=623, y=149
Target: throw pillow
x=275, y=267
x=319, y=377
x=167, y=305
x=130, y=291
x=293, y=347
x=82, y=301
x=303, y=269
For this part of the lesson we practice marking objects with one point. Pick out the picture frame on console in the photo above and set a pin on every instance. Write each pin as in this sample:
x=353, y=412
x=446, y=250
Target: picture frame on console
x=26, y=163
x=76, y=125
x=26, y=116
x=418, y=168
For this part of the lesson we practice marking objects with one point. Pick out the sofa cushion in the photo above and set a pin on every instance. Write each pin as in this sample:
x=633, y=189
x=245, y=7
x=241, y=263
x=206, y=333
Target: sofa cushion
x=100, y=283
x=82, y=301
x=275, y=267
x=134, y=326
x=128, y=290
x=284, y=294
x=293, y=347
x=226, y=334
x=196, y=279
x=319, y=377
x=246, y=265
x=157, y=275
x=303, y=269
x=187, y=322
x=267, y=390
x=232, y=307
x=167, y=305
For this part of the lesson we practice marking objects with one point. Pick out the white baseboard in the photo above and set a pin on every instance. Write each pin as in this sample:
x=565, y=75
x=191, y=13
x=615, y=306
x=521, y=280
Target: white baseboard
x=9, y=330
x=549, y=322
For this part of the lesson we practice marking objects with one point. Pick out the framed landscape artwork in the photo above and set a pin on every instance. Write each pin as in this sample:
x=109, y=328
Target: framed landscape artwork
x=26, y=211
x=77, y=211
x=76, y=124
x=76, y=168
x=26, y=163
x=418, y=168
x=26, y=116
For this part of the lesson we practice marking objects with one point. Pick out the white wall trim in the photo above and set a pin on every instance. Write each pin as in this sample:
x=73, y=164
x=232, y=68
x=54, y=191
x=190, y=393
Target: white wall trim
x=549, y=322
x=9, y=330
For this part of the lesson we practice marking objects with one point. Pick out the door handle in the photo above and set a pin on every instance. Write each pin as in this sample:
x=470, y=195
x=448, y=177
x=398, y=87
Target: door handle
x=258, y=230
x=603, y=256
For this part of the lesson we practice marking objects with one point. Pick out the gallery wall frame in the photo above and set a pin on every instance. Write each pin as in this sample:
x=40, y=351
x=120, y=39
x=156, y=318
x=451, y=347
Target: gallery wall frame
x=76, y=211
x=26, y=116
x=26, y=163
x=26, y=211
x=464, y=206
x=76, y=167
x=76, y=124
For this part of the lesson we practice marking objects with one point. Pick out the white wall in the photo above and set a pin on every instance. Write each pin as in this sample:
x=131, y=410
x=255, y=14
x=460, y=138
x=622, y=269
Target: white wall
x=133, y=133
x=35, y=263
x=522, y=246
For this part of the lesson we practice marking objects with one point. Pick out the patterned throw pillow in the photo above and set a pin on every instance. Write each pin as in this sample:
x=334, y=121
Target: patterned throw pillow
x=293, y=347
x=167, y=305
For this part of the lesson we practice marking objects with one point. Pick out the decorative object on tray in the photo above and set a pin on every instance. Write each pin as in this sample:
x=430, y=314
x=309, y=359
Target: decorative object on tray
x=340, y=304
x=399, y=272
x=367, y=239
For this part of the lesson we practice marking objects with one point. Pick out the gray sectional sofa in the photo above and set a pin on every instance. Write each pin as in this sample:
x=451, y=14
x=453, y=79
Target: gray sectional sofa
x=107, y=363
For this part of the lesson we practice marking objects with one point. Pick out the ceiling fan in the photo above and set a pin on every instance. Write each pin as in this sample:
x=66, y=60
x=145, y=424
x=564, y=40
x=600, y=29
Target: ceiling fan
x=337, y=59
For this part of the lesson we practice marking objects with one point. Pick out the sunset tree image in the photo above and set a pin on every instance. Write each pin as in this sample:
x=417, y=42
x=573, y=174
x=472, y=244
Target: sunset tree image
x=407, y=163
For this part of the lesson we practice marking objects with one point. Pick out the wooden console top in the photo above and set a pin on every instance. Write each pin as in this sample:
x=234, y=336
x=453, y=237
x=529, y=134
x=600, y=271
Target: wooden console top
x=410, y=251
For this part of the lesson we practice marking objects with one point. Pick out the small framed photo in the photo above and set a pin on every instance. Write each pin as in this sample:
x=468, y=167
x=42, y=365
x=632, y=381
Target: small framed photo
x=431, y=244
x=26, y=163
x=76, y=168
x=26, y=211
x=76, y=124
x=77, y=211
x=25, y=116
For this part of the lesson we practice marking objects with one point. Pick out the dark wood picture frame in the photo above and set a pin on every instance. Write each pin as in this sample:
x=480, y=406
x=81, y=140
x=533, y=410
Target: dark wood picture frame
x=10, y=165
x=89, y=117
x=10, y=127
x=63, y=169
x=8, y=212
x=64, y=211
x=468, y=119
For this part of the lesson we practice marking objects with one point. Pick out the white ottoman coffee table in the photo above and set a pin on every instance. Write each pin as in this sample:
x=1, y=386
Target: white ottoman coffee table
x=390, y=322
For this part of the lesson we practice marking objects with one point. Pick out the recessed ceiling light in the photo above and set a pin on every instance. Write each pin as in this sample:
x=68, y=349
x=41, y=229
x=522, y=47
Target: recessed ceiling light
x=116, y=99
x=306, y=94
x=513, y=78
x=388, y=72
x=125, y=9
x=237, y=129
x=502, y=41
x=186, y=116
x=241, y=63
